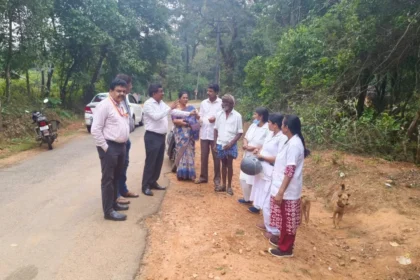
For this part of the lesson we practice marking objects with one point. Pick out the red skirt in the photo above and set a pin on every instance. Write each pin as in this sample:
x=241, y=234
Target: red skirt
x=286, y=217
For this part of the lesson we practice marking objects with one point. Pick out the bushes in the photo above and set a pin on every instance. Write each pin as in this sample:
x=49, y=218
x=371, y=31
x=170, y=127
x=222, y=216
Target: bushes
x=328, y=65
x=332, y=125
x=328, y=124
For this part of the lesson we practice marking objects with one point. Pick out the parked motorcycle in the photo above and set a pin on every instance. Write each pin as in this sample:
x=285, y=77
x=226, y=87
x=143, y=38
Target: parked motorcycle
x=171, y=146
x=46, y=131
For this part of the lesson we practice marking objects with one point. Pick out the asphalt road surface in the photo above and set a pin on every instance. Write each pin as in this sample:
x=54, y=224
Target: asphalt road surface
x=51, y=221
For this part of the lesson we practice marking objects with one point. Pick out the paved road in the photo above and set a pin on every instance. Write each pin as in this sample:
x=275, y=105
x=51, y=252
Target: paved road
x=51, y=219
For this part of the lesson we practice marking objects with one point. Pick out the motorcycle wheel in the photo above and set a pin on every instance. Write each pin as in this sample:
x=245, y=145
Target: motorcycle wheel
x=173, y=153
x=49, y=142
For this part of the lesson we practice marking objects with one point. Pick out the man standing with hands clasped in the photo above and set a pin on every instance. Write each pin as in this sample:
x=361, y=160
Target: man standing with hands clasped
x=110, y=129
x=227, y=131
x=156, y=123
x=209, y=109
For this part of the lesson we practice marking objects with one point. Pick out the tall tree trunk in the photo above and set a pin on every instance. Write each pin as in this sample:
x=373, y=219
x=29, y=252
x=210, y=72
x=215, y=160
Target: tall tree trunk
x=1, y=118
x=229, y=55
x=49, y=80
x=91, y=88
x=28, y=86
x=42, y=82
x=9, y=57
x=295, y=12
x=63, y=89
x=411, y=129
x=364, y=83
x=194, y=50
x=418, y=146
x=187, y=58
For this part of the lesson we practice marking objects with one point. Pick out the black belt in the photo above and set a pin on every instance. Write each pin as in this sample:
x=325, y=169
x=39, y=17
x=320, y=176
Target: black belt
x=155, y=133
x=114, y=143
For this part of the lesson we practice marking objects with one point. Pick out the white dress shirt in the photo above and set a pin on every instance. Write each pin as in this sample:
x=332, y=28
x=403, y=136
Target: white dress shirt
x=208, y=110
x=156, y=115
x=228, y=128
x=108, y=124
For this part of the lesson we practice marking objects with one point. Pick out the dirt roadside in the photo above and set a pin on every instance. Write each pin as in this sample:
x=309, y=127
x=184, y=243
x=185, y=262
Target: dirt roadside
x=199, y=234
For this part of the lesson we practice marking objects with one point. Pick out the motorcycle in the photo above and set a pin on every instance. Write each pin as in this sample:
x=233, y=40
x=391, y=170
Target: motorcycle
x=171, y=146
x=46, y=131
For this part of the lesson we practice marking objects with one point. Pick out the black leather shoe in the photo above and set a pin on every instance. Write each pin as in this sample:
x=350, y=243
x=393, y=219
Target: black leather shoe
x=115, y=216
x=159, y=188
x=120, y=207
x=148, y=192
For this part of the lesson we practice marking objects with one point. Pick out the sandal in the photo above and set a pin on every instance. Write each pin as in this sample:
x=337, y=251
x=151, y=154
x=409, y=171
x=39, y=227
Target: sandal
x=274, y=240
x=261, y=227
x=220, y=189
x=122, y=200
x=254, y=210
x=229, y=191
x=130, y=194
x=200, y=181
x=267, y=235
x=244, y=202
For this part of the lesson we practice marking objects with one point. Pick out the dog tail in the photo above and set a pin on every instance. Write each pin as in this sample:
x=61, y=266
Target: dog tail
x=343, y=187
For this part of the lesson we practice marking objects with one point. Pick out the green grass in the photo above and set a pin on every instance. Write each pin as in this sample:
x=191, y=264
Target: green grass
x=317, y=158
x=18, y=145
x=24, y=146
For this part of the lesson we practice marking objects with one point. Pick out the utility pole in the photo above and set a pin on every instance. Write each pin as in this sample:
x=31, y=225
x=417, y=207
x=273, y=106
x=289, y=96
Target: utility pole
x=217, y=74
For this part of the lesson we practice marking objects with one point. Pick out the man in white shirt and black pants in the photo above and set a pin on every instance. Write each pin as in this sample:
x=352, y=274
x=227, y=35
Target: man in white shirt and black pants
x=156, y=123
x=110, y=129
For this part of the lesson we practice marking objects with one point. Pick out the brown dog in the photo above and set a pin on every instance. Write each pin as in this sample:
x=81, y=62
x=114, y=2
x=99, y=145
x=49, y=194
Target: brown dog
x=339, y=201
x=305, y=205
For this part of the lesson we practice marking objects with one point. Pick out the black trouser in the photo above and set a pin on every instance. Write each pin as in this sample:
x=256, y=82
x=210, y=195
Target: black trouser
x=112, y=164
x=206, y=148
x=155, y=151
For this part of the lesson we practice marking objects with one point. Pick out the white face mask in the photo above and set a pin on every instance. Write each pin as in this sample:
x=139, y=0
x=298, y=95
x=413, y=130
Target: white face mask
x=256, y=122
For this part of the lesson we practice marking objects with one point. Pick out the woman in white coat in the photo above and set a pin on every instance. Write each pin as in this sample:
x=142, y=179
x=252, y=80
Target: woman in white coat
x=254, y=139
x=267, y=156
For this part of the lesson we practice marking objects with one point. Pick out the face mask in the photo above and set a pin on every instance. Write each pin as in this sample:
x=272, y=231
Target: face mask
x=256, y=122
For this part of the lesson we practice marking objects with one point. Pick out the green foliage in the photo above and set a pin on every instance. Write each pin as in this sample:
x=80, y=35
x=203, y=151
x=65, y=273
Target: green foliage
x=74, y=45
x=350, y=69
x=327, y=65
x=332, y=125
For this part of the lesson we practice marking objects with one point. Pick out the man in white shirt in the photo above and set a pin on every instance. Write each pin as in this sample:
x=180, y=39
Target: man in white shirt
x=227, y=131
x=209, y=109
x=110, y=129
x=156, y=123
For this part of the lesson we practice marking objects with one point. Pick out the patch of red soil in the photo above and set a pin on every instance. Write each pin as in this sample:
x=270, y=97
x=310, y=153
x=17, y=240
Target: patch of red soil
x=199, y=234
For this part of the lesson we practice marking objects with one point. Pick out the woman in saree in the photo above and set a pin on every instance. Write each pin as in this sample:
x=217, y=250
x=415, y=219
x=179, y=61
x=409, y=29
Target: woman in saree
x=186, y=132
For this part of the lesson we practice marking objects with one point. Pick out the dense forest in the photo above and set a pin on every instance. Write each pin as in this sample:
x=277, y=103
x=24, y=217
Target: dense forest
x=349, y=68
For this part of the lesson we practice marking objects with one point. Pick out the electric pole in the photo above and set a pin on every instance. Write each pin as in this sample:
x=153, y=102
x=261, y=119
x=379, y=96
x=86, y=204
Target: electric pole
x=217, y=71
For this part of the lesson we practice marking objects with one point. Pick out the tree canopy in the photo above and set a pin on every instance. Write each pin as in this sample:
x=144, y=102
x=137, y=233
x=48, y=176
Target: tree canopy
x=350, y=68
